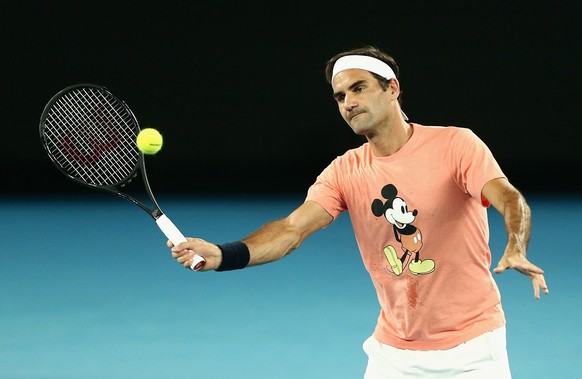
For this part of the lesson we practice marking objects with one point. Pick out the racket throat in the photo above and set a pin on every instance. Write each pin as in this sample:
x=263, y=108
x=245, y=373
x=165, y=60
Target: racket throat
x=157, y=213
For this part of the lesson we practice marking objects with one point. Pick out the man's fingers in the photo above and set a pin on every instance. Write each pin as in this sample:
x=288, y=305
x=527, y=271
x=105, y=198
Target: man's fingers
x=535, y=269
x=538, y=282
x=527, y=268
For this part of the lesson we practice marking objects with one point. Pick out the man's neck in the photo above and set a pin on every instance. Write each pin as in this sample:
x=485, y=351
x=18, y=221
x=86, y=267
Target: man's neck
x=391, y=139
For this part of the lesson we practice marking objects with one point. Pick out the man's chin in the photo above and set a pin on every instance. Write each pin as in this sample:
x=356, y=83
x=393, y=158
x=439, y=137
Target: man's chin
x=358, y=131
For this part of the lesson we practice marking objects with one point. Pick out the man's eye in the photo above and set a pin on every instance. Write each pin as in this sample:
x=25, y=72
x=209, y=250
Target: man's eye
x=359, y=89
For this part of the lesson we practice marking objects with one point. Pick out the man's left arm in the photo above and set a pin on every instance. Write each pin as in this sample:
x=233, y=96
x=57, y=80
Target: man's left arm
x=508, y=201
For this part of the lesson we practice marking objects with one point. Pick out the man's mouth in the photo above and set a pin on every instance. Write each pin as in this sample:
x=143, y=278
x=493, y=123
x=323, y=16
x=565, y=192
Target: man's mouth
x=355, y=115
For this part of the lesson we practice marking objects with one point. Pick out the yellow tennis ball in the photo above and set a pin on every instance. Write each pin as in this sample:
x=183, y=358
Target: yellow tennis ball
x=149, y=141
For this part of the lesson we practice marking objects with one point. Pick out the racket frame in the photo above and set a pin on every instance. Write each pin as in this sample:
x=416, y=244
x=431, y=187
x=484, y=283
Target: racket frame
x=164, y=223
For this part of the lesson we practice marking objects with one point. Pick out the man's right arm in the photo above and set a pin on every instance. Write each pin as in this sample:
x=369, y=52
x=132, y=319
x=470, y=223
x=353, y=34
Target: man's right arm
x=269, y=243
x=278, y=238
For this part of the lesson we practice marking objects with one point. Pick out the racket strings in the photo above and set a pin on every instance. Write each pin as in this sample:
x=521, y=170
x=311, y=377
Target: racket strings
x=113, y=111
x=91, y=135
x=80, y=152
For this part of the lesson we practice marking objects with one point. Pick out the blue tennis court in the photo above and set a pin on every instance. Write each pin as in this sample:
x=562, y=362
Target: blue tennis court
x=89, y=290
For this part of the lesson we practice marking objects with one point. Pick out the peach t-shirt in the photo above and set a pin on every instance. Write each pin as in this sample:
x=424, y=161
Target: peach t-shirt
x=423, y=200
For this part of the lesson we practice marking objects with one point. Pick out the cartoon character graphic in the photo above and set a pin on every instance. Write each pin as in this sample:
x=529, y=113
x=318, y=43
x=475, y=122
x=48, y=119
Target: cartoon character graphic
x=396, y=212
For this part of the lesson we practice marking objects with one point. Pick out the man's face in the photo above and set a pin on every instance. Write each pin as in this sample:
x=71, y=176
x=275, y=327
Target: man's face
x=362, y=102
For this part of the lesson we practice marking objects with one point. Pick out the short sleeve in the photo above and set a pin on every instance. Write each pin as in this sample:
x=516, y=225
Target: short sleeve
x=326, y=191
x=473, y=164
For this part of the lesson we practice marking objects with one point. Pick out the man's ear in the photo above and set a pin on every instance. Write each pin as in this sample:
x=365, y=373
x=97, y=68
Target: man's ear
x=394, y=87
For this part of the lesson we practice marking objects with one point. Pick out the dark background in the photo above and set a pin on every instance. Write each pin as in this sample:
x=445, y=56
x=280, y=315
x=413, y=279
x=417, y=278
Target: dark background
x=238, y=88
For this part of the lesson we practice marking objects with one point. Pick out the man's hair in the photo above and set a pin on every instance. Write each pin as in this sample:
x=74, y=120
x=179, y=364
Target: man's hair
x=370, y=51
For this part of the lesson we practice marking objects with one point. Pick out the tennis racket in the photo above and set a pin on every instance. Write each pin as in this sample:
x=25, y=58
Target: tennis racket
x=89, y=134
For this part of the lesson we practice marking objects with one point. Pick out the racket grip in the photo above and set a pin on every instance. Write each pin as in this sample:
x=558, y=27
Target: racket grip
x=174, y=235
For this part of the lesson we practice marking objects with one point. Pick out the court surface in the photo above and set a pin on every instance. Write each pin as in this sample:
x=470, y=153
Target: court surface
x=89, y=290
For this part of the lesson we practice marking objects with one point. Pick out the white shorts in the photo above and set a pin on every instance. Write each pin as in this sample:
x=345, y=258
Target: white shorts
x=483, y=357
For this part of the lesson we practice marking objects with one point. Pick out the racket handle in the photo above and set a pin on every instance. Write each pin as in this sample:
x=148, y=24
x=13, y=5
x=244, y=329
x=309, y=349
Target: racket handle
x=174, y=235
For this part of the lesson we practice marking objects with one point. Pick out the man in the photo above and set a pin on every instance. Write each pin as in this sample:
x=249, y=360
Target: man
x=417, y=197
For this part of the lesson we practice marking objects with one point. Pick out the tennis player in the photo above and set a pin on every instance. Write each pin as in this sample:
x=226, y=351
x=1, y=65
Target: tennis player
x=417, y=197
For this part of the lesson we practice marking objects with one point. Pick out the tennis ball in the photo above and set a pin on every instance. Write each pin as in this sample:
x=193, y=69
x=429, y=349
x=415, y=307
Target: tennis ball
x=149, y=141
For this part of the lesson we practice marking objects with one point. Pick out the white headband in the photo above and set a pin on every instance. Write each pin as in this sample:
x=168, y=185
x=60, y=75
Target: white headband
x=363, y=62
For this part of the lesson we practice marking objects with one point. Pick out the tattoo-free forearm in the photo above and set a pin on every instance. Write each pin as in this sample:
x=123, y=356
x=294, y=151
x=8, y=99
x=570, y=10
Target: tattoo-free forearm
x=278, y=238
x=517, y=217
x=272, y=242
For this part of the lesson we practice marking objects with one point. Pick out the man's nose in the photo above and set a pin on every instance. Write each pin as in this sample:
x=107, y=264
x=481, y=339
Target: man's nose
x=349, y=103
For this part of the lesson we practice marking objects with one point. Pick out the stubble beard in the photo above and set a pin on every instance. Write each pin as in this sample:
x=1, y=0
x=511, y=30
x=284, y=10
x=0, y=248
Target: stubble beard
x=360, y=125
